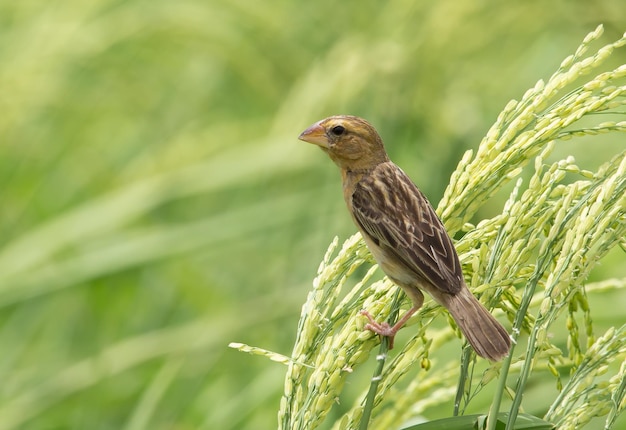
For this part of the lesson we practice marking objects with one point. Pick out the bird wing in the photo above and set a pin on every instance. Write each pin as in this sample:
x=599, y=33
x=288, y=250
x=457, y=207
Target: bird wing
x=401, y=221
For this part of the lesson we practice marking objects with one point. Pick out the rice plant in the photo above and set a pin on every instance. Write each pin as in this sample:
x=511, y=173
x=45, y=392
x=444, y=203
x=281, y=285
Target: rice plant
x=530, y=264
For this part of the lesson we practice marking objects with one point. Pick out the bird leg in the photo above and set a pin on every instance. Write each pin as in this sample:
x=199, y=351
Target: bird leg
x=383, y=328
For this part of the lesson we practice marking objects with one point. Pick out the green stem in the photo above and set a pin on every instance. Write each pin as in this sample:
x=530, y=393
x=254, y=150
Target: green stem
x=494, y=409
x=378, y=372
x=529, y=292
x=463, y=378
x=542, y=266
x=517, y=328
x=371, y=394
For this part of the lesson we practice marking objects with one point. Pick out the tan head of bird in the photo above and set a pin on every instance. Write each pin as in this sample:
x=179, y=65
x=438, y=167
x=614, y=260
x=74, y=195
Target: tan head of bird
x=351, y=142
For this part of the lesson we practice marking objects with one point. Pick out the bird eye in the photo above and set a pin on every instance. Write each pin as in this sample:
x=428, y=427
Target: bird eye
x=337, y=130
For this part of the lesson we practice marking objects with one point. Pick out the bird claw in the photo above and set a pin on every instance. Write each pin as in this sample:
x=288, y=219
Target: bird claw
x=380, y=328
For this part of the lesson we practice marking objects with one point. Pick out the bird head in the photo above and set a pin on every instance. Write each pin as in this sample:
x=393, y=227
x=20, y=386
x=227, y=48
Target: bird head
x=351, y=142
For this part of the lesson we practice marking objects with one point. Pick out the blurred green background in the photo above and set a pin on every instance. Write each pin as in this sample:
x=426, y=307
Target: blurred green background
x=157, y=205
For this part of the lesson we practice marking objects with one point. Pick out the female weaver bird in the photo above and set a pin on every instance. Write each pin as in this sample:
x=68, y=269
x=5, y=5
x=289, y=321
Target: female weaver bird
x=403, y=232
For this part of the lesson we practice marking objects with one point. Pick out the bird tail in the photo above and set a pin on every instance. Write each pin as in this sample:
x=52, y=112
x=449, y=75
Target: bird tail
x=486, y=335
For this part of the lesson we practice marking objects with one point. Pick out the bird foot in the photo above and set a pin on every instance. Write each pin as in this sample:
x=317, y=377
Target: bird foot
x=380, y=328
x=383, y=328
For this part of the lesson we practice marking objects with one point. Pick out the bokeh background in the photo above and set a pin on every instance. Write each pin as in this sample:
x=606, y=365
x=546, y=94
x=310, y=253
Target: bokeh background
x=157, y=205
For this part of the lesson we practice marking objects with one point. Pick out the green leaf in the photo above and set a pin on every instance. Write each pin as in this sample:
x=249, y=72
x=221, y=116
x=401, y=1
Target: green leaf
x=478, y=421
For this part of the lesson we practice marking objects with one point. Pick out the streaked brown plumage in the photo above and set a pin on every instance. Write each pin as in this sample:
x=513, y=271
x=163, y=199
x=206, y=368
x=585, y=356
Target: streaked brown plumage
x=403, y=232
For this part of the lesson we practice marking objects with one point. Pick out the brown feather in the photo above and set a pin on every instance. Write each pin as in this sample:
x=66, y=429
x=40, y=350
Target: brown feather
x=398, y=217
x=488, y=338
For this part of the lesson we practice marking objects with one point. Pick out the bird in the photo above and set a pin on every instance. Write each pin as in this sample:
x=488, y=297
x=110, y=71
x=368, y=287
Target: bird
x=403, y=233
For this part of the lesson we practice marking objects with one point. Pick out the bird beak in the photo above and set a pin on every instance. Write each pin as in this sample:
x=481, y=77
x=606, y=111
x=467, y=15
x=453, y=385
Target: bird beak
x=315, y=134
